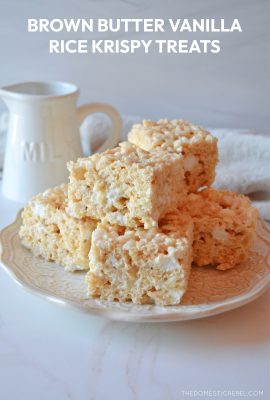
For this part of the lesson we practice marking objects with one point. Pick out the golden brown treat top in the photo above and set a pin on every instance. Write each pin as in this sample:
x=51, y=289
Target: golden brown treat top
x=220, y=203
x=126, y=154
x=55, y=197
x=170, y=134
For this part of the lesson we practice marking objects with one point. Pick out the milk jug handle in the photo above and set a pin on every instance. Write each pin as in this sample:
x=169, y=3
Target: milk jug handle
x=84, y=110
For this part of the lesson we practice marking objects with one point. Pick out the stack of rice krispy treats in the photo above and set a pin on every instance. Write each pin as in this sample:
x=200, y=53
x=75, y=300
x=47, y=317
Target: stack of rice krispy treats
x=137, y=216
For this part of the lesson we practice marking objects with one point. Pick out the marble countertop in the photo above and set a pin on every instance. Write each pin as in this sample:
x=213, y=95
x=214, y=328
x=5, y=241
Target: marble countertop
x=49, y=352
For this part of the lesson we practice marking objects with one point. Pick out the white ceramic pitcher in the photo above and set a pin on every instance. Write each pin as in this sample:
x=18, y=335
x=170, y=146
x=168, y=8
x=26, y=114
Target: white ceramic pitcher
x=44, y=134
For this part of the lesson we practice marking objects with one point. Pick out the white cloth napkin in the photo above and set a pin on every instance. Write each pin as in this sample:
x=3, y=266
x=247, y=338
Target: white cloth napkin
x=244, y=166
x=244, y=158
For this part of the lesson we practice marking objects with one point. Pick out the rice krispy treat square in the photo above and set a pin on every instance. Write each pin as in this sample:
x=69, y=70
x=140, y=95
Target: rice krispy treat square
x=143, y=266
x=126, y=186
x=49, y=232
x=224, y=226
x=197, y=146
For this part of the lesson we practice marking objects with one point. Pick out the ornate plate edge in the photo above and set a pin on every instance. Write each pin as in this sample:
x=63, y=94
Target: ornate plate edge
x=165, y=315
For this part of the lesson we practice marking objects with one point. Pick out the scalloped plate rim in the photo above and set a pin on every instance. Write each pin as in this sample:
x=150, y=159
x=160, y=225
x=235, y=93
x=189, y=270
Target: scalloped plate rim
x=186, y=312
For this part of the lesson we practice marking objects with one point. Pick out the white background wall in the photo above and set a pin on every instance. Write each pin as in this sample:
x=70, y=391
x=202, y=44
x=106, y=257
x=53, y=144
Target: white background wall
x=230, y=89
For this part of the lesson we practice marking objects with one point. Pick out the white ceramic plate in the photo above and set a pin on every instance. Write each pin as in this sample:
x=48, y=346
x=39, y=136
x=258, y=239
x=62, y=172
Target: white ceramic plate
x=210, y=291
